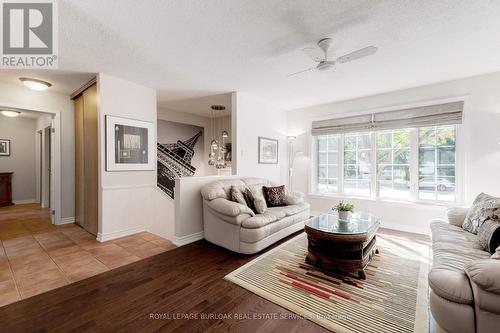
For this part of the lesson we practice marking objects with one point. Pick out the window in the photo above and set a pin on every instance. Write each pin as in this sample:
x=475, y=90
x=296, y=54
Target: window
x=416, y=164
x=328, y=163
x=436, y=163
x=357, y=164
x=393, y=164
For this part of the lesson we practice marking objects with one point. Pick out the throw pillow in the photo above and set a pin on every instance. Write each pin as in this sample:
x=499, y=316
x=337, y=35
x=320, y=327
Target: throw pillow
x=484, y=207
x=260, y=205
x=489, y=235
x=275, y=196
x=249, y=200
x=236, y=195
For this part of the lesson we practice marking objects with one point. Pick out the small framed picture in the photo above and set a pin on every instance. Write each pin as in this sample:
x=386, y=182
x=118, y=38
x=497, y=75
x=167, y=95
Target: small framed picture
x=130, y=144
x=4, y=147
x=268, y=150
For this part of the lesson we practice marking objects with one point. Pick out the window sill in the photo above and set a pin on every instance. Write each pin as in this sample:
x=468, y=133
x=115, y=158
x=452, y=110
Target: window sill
x=419, y=204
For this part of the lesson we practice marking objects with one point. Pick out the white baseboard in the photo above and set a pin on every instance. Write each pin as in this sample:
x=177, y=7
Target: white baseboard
x=66, y=220
x=117, y=234
x=183, y=240
x=24, y=201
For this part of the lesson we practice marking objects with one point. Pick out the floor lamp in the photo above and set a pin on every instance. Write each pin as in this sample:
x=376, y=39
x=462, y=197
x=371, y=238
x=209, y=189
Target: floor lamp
x=291, y=158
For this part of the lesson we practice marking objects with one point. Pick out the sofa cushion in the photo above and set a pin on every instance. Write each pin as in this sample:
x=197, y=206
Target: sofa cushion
x=483, y=208
x=261, y=220
x=489, y=235
x=293, y=199
x=453, y=248
x=290, y=210
x=219, y=189
x=456, y=215
x=255, y=181
x=274, y=214
x=252, y=235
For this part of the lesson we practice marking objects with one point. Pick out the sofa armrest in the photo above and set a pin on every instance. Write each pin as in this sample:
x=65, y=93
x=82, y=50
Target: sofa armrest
x=484, y=276
x=294, y=198
x=456, y=215
x=228, y=208
x=485, y=273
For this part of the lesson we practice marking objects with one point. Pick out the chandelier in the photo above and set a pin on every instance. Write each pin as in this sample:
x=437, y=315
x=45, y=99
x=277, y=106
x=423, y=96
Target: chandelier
x=218, y=144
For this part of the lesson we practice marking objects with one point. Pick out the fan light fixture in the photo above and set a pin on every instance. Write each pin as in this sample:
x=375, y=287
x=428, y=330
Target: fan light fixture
x=10, y=113
x=35, y=84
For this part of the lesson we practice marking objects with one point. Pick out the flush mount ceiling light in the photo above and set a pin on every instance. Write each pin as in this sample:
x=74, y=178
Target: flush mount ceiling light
x=10, y=113
x=35, y=84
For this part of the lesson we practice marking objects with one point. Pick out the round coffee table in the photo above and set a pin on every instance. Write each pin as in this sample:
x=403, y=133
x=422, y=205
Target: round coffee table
x=342, y=246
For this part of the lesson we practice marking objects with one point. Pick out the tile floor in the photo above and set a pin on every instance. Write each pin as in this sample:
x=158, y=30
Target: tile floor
x=36, y=256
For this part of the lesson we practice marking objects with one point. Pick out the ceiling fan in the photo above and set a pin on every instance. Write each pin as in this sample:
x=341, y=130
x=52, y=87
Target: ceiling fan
x=320, y=55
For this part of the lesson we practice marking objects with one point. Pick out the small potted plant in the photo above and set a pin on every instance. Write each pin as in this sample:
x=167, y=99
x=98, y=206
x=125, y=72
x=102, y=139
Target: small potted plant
x=344, y=209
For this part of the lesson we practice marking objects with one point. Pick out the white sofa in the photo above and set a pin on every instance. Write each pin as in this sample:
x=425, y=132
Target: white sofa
x=464, y=280
x=237, y=228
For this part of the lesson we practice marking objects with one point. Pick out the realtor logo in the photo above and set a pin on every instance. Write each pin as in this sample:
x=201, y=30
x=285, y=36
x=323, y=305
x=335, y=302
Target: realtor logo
x=29, y=37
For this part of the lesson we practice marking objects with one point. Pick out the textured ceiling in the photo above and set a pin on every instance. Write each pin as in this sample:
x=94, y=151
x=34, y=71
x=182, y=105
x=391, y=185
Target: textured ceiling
x=187, y=48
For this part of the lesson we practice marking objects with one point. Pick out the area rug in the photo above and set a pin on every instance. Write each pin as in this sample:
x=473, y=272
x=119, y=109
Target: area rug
x=393, y=298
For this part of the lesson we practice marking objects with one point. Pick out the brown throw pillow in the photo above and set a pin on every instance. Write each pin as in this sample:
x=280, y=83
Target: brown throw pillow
x=249, y=199
x=275, y=196
x=489, y=235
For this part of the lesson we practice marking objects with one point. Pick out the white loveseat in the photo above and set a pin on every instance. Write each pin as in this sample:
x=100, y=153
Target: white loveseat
x=237, y=228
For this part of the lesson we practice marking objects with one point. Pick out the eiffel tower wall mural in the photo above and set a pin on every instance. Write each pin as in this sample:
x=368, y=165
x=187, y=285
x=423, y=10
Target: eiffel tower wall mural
x=179, y=153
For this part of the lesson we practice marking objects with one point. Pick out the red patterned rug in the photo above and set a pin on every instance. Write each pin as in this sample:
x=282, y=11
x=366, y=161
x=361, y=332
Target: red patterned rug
x=393, y=298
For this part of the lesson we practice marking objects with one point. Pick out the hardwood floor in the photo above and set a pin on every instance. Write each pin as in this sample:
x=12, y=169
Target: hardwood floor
x=149, y=294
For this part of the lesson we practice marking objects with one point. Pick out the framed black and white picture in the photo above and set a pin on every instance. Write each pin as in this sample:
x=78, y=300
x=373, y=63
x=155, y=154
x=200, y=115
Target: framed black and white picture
x=130, y=144
x=268, y=150
x=4, y=147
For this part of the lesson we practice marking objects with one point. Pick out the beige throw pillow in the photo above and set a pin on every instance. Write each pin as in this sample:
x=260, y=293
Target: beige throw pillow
x=236, y=195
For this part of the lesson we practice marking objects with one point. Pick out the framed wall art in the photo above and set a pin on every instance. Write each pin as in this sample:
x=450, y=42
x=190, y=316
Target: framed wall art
x=268, y=150
x=130, y=144
x=4, y=147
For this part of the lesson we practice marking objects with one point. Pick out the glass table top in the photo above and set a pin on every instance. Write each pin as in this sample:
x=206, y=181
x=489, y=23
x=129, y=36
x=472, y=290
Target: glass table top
x=357, y=223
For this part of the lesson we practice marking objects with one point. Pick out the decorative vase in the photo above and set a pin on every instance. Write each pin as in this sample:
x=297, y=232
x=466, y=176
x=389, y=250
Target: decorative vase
x=343, y=215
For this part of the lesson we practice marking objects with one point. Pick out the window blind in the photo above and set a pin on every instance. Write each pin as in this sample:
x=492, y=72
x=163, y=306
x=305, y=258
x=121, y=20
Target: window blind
x=430, y=115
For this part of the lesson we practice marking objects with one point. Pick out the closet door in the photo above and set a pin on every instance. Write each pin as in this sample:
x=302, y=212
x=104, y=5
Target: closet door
x=79, y=158
x=90, y=152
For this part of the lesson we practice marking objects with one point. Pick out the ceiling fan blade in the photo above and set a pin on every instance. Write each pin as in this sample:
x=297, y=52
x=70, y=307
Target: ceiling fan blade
x=364, y=52
x=315, y=53
x=300, y=72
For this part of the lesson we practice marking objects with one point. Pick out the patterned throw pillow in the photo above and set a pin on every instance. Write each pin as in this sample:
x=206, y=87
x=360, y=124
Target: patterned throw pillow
x=489, y=235
x=275, y=196
x=484, y=207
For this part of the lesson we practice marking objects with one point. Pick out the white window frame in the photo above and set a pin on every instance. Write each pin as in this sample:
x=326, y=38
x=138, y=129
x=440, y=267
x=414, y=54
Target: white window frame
x=414, y=170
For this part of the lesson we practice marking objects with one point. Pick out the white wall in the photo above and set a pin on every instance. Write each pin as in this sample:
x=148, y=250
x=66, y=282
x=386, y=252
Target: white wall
x=21, y=133
x=253, y=118
x=60, y=104
x=482, y=158
x=127, y=199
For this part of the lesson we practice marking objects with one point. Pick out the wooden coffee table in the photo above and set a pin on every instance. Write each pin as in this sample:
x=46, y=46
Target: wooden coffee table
x=342, y=246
